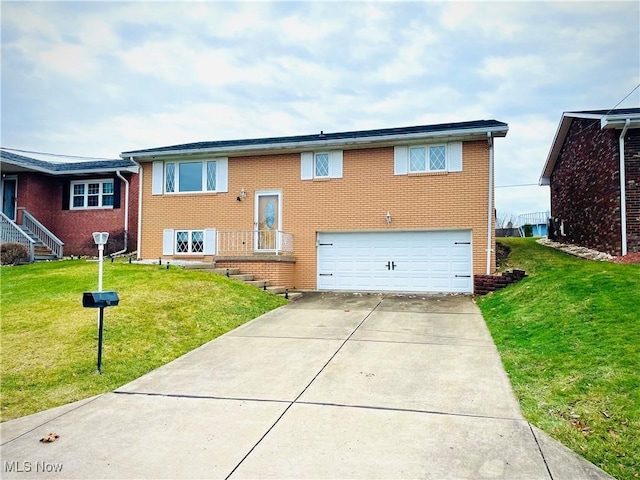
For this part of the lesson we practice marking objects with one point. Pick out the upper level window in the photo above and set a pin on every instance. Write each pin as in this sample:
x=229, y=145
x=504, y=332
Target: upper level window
x=92, y=194
x=197, y=176
x=428, y=159
x=321, y=165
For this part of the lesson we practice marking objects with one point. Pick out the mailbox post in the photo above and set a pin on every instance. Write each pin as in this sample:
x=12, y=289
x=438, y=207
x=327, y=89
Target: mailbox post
x=100, y=300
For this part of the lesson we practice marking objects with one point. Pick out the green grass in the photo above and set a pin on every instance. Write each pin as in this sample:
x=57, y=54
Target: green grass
x=48, y=341
x=569, y=338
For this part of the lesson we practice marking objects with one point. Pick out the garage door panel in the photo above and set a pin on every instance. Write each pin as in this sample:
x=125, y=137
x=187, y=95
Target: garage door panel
x=423, y=261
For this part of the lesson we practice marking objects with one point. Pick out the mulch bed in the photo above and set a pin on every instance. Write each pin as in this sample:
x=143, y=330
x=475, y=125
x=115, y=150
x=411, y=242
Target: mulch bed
x=628, y=258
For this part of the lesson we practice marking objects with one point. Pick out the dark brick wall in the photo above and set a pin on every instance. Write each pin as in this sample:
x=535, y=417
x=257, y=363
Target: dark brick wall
x=585, y=187
x=632, y=177
x=41, y=196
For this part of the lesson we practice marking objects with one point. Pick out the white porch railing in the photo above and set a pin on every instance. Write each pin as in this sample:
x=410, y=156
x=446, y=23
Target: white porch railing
x=11, y=232
x=52, y=242
x=537, y=218
x=250, y=242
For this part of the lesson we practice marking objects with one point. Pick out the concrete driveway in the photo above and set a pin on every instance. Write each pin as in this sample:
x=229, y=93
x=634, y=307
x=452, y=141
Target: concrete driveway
x=331, y=386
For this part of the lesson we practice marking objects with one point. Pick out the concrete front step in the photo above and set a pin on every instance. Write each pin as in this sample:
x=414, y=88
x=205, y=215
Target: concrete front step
x=257, y=283
x=243, y=277
x=277, y=289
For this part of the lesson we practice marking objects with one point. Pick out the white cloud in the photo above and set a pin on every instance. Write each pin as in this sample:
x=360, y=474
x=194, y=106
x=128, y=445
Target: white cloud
x=98, y=78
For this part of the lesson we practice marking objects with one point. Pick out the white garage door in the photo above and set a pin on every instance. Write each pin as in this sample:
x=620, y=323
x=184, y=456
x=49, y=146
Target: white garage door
x=433, y=261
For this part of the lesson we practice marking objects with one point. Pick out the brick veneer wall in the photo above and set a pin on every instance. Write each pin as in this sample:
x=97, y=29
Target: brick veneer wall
x=356, y=202
x=41, y=196
x=585, y=187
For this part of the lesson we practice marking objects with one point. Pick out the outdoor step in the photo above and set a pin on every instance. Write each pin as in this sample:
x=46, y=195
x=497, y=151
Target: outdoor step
x=243, y=277
x=198, y=266
x=258, y=283
x=292, y=295
x=276, y=289
x=41, y=258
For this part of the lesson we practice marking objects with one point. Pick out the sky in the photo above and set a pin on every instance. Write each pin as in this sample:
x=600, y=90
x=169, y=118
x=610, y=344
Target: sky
x=95, y=79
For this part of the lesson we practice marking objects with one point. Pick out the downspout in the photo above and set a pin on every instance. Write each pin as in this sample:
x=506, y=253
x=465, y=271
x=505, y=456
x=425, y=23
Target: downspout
x=126, y=214
x=623, y=189
x=490, y=208
x=140, y=176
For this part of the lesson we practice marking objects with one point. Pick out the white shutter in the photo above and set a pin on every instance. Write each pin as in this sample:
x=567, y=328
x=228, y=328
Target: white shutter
x=454, y=154
x=222, y=174
x=156, y=178
x=400, y=160
x=167, y=241
x=335, y=164
x=209, y=241
x=306, y=165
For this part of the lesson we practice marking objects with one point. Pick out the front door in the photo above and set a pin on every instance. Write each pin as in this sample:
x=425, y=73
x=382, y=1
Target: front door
x=9, y=197
x=268, y=220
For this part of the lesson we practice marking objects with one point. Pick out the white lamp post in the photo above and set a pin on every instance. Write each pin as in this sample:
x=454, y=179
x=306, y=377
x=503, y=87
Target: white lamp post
x=101, y=240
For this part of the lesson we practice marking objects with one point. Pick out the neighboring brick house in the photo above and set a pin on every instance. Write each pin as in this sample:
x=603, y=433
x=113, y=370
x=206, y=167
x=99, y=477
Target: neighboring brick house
x=69, y=200
x=397, y=209
x=592, y=205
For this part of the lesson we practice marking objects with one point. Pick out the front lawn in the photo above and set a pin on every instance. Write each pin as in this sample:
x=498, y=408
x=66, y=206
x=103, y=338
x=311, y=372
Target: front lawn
x=48, y=340
x=569, y=338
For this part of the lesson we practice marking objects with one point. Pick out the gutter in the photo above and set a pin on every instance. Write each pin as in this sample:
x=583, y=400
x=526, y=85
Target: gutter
x=490, y=206
x=623, y=188
x=126, y=215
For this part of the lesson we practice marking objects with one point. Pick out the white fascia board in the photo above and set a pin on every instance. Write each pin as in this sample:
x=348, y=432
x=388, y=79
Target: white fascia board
x=468, y=134
x=556, y=145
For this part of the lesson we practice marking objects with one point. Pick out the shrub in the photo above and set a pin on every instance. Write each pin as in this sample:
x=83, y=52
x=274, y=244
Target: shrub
x=12, y=253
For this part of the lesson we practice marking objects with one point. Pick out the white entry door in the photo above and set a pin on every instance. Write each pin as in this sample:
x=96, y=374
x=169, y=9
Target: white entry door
x=268, y=221
x=413, y=261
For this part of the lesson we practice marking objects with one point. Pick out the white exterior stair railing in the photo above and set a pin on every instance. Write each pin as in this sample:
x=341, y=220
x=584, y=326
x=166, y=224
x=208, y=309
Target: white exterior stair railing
x=252, y=242
x=11, y=232
x=52, y=242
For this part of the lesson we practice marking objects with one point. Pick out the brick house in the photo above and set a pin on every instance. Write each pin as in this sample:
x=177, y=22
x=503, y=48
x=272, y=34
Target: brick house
x=592, y=204
x=397, y=209
x=60, y=204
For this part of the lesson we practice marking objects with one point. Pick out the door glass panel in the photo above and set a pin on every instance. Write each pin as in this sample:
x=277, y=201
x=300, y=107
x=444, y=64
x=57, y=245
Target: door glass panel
x=268, y=217
x=9, y=198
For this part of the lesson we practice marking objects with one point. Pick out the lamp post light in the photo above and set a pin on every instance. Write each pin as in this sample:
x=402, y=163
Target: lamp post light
x=101, y=240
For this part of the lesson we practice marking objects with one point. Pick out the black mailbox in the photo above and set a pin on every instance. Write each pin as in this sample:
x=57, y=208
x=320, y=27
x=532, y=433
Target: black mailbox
x=100, y=299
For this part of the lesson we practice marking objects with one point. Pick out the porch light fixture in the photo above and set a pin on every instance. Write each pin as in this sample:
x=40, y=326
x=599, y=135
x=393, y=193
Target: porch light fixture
x=388, y=217
x=242, y=195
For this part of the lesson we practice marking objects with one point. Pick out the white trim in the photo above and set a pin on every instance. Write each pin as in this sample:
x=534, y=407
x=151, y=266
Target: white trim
x=400, y=160
x=86, y=194
x=490, y=215
x=306, y=165
x=335, y=164
x=157, y=178
x=256, y=215
x=454, y=159
x=167, y=241
x=210, y=241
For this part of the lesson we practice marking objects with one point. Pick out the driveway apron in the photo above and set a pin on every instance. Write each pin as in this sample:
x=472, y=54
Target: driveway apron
x=330, y=386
